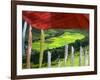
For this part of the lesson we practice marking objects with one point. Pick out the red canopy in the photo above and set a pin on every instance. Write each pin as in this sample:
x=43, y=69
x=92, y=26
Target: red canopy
x=53, y=20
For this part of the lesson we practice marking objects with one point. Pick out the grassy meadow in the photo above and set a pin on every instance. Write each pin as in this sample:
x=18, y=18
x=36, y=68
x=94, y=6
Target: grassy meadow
x=55, y=41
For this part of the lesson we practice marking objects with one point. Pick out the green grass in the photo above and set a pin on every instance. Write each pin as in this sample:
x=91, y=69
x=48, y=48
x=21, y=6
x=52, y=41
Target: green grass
x=54, y=64
x=65, y=37
x=68, y=64
x=54, y=42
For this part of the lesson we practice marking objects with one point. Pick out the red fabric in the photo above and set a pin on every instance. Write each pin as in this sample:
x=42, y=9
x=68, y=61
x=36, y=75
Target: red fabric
x=52, y=20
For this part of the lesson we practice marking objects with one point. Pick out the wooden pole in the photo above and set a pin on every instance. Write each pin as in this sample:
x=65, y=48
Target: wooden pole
x=66, y=54
x=80, y=56
x=41, y=48
x=72, y=56
x=29, y=47
x=86, y=58
x=23, y=37
x=49, y=59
